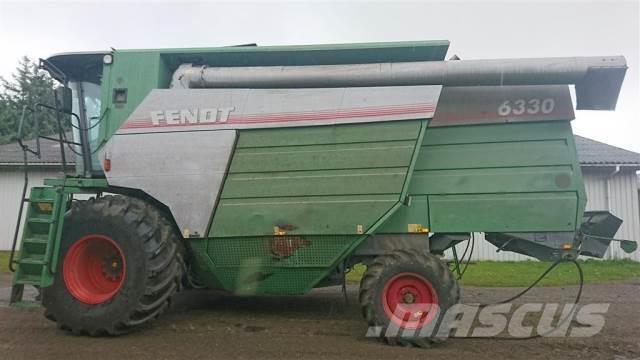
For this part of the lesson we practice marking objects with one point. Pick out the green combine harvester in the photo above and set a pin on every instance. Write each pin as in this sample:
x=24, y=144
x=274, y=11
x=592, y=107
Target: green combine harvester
x=275, y=170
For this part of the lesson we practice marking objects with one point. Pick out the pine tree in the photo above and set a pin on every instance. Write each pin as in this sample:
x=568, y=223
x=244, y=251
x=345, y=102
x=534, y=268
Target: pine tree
x=28, y=86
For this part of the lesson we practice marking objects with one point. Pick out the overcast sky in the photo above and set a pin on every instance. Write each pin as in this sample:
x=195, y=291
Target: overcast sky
x=476, y=29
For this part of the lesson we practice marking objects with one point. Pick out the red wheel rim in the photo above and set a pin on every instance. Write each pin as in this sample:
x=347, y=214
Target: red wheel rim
x=409, y=301
x=94, y=269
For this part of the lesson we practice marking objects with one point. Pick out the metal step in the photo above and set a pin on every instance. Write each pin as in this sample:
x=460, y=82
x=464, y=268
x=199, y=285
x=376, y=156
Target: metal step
x=36, y=239
x=33, y=259
x=40, y=220
x=41, y=200
x=29, y=279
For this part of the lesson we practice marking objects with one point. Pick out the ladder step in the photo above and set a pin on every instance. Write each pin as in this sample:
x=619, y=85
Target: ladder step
x=33, y=260
x=41, y=200
x=36, y=239
x=40, y=220
x=28, y=280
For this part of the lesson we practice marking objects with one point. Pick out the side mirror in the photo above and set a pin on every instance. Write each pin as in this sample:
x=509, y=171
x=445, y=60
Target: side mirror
x=63, y=97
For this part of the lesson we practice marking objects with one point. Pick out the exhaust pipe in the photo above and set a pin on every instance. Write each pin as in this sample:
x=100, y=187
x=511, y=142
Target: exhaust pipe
x=597, y=79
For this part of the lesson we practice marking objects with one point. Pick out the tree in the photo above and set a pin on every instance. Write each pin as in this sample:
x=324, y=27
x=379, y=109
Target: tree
x=28, y=86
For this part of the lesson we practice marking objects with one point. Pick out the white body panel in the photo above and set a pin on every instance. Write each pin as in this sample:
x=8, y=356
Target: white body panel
x=214, y=109
x=182, y=170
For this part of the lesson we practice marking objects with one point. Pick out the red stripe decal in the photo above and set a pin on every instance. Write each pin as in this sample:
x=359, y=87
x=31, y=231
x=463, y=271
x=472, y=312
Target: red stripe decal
x=323, y=115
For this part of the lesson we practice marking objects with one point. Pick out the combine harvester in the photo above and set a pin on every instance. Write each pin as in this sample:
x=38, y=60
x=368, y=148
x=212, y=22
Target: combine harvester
x=275, y=170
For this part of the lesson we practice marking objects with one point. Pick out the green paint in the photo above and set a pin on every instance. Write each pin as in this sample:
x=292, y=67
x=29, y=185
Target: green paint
x=503, y=212
x=322, y=180
x=416, y=212
x=328, y=183
x=500, y=177
x=78, y=184
x=309, y=214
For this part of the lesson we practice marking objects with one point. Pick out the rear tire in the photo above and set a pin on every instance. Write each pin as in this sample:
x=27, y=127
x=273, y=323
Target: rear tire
x=407, y=282
x=142, y=253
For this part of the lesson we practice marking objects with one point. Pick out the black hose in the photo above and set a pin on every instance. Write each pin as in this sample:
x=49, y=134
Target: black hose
x=544, y=274
x=466, y=265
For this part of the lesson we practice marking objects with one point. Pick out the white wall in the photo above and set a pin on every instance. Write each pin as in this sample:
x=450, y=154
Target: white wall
x=11, y=181
x=616, y=194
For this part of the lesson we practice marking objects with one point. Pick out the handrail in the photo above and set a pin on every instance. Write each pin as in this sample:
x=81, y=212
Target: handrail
x=20, y=135
x=23, y=200
x=25, y=151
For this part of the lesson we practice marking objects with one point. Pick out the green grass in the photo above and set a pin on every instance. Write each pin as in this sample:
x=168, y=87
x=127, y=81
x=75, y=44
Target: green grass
x=523, y=273
x=4, y=261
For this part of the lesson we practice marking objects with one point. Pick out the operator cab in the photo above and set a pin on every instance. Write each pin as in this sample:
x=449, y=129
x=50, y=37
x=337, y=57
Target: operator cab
x=82, y=73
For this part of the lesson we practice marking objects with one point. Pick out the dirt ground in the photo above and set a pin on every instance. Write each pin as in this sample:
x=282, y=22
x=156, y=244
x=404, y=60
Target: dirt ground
x=205, y=324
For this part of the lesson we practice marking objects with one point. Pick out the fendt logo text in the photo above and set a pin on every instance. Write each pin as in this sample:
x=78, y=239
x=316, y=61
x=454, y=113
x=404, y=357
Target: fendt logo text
x=191, y=116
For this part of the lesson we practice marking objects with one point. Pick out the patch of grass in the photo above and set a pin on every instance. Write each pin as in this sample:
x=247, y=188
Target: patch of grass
x=523, y=273
x=4, y=261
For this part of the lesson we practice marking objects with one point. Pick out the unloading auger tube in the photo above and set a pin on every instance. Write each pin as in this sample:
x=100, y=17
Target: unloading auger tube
x=597, y=79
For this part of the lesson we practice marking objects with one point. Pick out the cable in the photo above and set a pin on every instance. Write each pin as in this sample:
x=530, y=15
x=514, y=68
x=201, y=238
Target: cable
x=458, y=261
x=520, y=294
x=544, y=274
x=466, y=265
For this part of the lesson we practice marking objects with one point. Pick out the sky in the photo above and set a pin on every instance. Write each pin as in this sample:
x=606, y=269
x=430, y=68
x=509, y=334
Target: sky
x=477, y=29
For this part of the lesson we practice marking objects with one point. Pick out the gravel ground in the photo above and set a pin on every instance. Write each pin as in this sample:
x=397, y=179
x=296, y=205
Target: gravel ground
x=317, y=326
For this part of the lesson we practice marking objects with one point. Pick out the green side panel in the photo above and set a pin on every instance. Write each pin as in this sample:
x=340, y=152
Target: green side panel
x=322, y=157
x=309, y=214
x=495, y=180
x=256, y=265
x=503, y=212
x=312, y=183
x=323, y=135
x=320, y=180
x=138, y=73
x=327, y=185
x=500, y=178
x=495, y=155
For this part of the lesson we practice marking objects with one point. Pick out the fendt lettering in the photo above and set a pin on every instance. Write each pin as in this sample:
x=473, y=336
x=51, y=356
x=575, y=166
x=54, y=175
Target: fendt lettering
x=381, y=155
x=191, y=116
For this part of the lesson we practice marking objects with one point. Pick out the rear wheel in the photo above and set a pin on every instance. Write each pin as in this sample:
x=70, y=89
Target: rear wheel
x=121, y=261
x=405, y=293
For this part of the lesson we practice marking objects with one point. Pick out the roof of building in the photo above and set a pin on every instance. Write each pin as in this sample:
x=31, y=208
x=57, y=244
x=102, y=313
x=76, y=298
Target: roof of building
x=595, y=153
x=590, y=153
x=11, y=154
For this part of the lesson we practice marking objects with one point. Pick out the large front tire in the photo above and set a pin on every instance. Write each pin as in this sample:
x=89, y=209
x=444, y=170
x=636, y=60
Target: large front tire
x=406, y=292
x=121, y=261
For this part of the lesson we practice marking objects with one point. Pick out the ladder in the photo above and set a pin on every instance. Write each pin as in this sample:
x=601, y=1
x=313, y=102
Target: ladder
x=35, y=264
